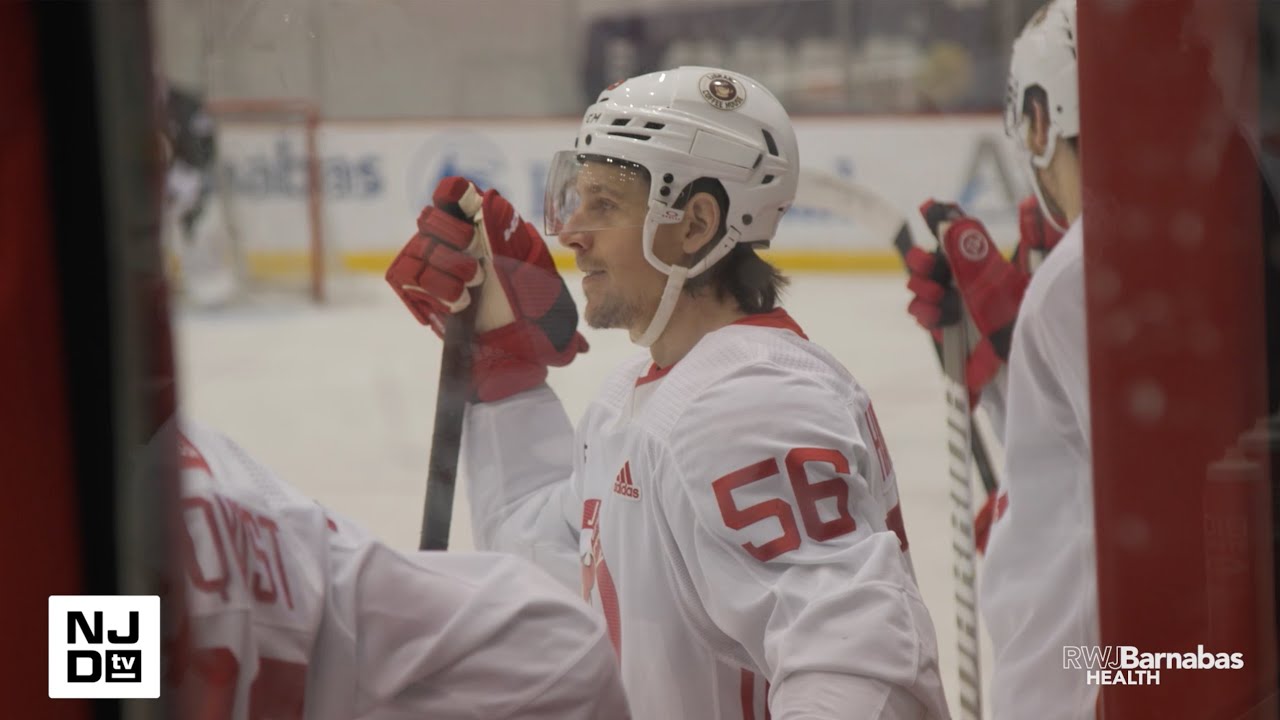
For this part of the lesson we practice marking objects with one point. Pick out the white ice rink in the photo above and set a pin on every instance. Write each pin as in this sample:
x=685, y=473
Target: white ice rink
x=338, y=400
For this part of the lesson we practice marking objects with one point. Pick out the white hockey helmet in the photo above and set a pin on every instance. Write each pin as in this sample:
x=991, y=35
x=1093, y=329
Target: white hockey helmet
x=681, y=125
x=1044, y=57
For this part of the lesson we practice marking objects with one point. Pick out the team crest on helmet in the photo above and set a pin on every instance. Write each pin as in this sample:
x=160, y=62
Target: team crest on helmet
x=722, y=92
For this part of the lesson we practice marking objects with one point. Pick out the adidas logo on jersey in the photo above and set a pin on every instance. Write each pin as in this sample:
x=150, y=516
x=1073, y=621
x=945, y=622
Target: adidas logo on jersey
x=622, y=485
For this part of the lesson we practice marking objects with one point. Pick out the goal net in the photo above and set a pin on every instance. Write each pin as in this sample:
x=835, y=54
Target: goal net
x=269, y=187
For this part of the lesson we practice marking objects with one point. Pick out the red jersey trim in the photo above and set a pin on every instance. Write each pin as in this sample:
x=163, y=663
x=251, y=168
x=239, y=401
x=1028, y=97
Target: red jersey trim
x=189, y=458
x=747, y=696
x=654, y=373
x=778, y=318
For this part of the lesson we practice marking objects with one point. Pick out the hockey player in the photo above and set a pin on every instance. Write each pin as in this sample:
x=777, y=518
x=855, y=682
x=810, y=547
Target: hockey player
x=197, y=240
x=989, y=288
x=1038, y=591
x=976, y=277
x=727, y=501
x=291, y=611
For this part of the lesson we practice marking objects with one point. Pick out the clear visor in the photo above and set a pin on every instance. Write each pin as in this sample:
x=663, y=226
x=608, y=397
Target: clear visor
x=592, y=192
x=1012, y=111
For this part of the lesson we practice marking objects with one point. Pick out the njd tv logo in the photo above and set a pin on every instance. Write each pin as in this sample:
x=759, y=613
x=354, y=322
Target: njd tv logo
x=104, y=646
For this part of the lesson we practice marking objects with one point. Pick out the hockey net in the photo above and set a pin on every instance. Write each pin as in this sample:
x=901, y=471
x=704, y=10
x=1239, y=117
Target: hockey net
x=269, y=187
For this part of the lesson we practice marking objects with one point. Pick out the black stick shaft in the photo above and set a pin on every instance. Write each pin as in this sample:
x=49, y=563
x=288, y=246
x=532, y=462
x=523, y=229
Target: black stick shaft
x=981, y=458
x=446, y=438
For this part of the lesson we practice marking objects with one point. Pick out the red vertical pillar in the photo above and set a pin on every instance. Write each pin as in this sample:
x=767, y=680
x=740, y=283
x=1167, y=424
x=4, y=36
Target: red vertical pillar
x=38, y=528
x=1173, y=257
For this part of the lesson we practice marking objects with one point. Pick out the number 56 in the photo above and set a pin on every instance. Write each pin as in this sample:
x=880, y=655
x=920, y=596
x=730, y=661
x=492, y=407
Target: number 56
x=807, y=497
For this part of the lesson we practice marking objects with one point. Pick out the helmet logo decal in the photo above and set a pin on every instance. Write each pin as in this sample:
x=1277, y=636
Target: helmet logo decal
x=722, y=91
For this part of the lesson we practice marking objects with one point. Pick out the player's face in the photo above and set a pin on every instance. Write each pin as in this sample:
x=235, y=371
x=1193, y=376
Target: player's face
x=621, y=287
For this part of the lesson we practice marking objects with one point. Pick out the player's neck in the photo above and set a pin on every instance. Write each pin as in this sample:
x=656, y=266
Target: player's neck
x=694, y=317
x=1072, y=204
x=1066, y=190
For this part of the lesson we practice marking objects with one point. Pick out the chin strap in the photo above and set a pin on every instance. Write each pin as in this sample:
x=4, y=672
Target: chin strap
x=666, y=306
x=676, y=275
x=1049, y=215
x=1033, y=161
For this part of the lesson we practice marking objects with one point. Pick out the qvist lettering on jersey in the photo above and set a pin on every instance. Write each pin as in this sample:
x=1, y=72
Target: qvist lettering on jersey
x=1127, y=665
x=250, y=540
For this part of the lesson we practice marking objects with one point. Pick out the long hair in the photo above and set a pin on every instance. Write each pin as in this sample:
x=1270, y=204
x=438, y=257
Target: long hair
x=753, y=282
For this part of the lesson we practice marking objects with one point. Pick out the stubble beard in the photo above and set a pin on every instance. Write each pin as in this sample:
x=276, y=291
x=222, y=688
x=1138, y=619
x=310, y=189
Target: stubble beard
x=611, y=313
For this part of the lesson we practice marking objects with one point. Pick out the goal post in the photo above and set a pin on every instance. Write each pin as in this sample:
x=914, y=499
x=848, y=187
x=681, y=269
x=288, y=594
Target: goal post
x=271, y=184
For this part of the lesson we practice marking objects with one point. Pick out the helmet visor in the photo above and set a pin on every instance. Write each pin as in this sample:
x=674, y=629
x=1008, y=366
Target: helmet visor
x=594, y=192
x=1012, y=109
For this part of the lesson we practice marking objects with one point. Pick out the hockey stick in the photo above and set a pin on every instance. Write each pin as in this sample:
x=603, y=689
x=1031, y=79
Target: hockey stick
x=981, y=459
x=955, y=348
x=862, y=206
x=955, y=352
x=451, y=403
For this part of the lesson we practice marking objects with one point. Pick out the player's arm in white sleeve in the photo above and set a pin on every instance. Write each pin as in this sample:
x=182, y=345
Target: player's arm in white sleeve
x=333, y=620
x=440, y=635
x=789, y=548
x=517, y=458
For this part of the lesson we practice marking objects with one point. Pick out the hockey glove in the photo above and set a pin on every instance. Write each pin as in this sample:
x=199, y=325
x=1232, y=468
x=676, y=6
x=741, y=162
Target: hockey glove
x=989, y=287
x=526, y=320
x=1036, y=237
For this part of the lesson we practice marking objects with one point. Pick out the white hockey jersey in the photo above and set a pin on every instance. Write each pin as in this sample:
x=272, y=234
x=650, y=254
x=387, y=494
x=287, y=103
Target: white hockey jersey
x=293, y=612
x=1038, y=590
x=733, y=517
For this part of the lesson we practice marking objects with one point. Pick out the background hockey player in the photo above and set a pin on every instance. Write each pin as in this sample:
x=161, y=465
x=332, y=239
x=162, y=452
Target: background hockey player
x=1038, y=591
x=727, y=501
x=198, y=246
x=989, y=287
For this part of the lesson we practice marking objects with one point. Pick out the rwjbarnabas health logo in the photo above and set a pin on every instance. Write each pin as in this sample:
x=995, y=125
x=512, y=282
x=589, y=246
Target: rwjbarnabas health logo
x=1127, y=665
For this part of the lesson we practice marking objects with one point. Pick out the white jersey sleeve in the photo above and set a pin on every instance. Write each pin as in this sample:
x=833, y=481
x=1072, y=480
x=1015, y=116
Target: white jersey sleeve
x=1038, y=590
x=292, y=611
x=779, y=494
x=525, y=498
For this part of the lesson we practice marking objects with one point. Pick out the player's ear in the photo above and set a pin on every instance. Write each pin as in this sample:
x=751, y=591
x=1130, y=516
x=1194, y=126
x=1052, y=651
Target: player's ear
x=701, y=221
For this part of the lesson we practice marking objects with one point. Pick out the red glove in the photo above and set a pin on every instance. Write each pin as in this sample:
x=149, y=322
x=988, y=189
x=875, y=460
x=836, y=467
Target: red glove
x=526, y=321
x=993, y=509
x=935, y=304
x=989, y=286
x=1036, y=237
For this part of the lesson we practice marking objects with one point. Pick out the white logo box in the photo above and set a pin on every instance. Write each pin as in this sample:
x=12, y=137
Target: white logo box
x=97, y=649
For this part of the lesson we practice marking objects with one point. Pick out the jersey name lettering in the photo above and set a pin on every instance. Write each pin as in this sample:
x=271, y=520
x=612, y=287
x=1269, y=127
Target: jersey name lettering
x=254, y=544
